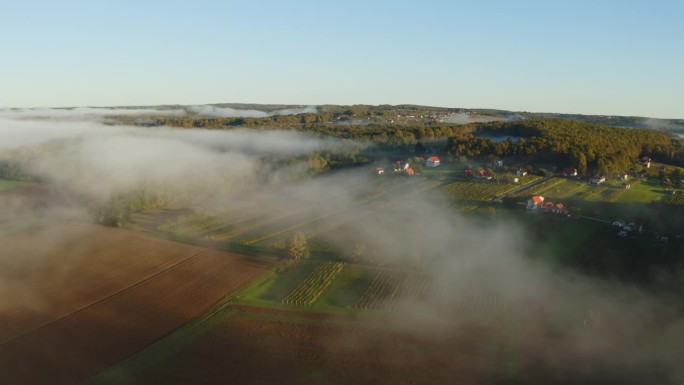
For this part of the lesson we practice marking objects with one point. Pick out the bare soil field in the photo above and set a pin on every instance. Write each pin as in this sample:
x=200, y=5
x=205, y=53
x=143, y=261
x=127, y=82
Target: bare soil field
x=79, y=298
x=268, y=346
x=255, y=345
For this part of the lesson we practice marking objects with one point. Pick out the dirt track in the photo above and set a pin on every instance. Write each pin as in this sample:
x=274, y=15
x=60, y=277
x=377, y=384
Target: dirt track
x=79, y=298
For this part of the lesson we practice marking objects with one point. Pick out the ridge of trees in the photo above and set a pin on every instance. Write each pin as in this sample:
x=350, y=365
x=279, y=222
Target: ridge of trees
x=589, y=147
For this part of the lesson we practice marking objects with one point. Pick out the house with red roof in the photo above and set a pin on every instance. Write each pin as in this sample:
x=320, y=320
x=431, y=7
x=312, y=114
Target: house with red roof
x=559, y=208
x=569, y=172
x=482, y=174
x=432, y=161
x=548, y=206
x=535, y=203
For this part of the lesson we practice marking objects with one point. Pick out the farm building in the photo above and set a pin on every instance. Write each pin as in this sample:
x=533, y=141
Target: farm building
x=538, y=204
x=535, y=203
x=646, y=161
x=559, y=208
x=410, y=171
x=521, y=172
x=468, y=173
x=379, y=170
x=569, y=172
x=400, y=166
x=597, y=180
x=432, y=161
x=482, y=174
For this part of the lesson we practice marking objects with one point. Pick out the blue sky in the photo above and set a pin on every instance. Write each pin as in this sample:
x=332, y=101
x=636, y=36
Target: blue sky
x=593, y=57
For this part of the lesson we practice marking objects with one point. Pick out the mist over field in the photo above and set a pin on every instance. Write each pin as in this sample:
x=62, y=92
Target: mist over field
x=632, y=332
x=101, y=113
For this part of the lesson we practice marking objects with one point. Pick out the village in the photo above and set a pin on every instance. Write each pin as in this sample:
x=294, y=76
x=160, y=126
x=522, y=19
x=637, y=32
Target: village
x=482, y=187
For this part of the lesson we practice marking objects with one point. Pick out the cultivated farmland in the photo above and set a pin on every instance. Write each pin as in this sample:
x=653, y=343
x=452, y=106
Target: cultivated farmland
x=388, y=286
x=315, y=284
x=676, y=199
x=86, y=297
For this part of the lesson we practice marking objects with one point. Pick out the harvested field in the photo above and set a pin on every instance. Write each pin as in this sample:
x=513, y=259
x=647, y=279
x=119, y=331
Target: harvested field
x=80, y=298
x=254, y=345
x=267, y=346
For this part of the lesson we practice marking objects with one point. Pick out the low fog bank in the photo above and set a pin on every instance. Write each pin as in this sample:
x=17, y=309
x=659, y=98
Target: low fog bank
x=102, y=113
x=96, y=161
x=479, y=270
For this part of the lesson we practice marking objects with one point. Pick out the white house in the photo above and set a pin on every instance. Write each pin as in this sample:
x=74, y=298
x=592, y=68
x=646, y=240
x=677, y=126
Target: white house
x=597, y=180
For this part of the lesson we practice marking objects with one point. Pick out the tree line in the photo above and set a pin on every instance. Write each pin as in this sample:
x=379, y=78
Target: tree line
x=588, y=147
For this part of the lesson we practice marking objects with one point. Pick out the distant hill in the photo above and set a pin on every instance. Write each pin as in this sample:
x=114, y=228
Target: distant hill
x=403, y=114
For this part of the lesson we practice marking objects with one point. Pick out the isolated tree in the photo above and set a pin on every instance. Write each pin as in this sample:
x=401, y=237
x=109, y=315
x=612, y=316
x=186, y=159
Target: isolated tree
x=509, y=178
x=358, y=250
x=298, y=247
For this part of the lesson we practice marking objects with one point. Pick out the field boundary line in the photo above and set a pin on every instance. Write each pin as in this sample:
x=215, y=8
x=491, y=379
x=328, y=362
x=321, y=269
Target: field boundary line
x=115, y=294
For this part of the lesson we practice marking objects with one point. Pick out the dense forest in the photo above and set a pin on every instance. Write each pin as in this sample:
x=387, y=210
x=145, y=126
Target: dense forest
x=589, y=147
x=567, y=143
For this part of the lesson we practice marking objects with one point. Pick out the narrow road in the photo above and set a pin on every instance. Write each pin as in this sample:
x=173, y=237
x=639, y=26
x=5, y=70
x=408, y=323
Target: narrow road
x=596, y=219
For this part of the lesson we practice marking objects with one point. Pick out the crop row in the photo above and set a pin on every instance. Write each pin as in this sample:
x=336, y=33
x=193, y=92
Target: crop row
x=483, y=191
x=541, y=187
x=475, y=299
x=314, y=229
x=594, y=190
x=467, y=208
x=612, y=195
x=382, y=289
x=194, y=224
x=415, y=286
x=286, y=231
x=676, y=199
x=389, y=285
x=315, y=284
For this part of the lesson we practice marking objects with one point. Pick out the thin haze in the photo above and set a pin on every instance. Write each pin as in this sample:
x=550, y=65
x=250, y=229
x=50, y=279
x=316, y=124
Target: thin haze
x=592, y=57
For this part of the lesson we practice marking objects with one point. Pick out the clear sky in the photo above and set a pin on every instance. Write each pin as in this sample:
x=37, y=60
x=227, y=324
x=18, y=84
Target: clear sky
x=594, y=57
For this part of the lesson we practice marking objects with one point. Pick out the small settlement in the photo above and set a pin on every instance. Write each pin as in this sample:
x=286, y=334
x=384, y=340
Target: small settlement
x=537, y=204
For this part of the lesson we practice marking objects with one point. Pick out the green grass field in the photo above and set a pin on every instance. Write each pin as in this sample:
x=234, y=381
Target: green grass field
x=644, y=192
x=9, y=184
x=342, y=294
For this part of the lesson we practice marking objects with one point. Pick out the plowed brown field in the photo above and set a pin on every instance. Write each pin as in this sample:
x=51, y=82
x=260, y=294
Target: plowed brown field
x=261, y=346
x=78, y=298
